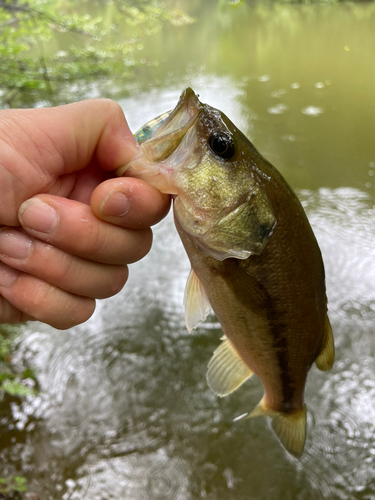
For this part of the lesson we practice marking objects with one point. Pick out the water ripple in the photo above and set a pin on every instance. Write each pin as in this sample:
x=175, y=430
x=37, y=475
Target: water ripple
x=339, y=457
x=124, y=397
x=144, y=477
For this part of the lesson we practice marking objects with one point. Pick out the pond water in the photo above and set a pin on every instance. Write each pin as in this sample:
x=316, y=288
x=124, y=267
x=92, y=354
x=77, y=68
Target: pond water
x=125, y=411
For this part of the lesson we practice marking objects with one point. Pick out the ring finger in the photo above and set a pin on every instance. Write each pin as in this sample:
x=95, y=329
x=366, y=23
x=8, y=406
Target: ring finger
x=57, y=267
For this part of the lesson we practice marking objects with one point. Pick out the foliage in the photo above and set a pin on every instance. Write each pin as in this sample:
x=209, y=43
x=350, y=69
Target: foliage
x=32, y=69
x=15, y=484
x=11, y=383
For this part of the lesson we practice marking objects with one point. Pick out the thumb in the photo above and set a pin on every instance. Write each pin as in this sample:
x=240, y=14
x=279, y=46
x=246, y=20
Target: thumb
x=96, y=127
x=41, y=145
x=77, y=132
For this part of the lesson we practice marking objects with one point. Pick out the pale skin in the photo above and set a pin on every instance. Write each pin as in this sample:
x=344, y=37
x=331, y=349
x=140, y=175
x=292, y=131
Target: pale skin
x=68, y=227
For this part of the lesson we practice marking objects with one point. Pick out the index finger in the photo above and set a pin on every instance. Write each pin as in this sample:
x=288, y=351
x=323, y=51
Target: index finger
x=129, y=202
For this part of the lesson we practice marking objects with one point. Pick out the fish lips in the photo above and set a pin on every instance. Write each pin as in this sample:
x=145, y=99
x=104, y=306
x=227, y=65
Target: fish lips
x=170, y=134
x=164, y=134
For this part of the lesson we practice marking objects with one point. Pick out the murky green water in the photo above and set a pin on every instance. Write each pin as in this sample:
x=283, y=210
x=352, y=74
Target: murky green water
x=125, y=411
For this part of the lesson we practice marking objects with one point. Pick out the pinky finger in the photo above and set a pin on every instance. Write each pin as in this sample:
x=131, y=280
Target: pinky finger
x=12, y=315
x=31, y=298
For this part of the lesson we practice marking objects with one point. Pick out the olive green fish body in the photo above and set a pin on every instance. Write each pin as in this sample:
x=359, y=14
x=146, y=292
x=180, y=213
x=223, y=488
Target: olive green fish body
x=254, y=258
x=272, y=306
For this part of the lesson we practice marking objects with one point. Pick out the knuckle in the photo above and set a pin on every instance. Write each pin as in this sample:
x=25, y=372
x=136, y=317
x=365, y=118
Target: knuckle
x=92, y=241
x=105, y=243
x=101, y=245
x=39, y=298
x=65, y=269
x=112, y=107
x=9, y=313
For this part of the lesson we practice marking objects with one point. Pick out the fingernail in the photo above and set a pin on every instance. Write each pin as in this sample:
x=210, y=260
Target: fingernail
x=14, y=244
x=38, y=216
x=115, y=204
x=8, y=275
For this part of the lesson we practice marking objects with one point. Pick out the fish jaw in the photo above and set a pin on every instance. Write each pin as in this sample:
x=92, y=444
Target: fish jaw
x=168, y=148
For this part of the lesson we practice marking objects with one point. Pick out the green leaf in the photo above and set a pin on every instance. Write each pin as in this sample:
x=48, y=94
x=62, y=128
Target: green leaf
x=15, y=388
x=7, y=376
x=28, y=373
x=20, y=483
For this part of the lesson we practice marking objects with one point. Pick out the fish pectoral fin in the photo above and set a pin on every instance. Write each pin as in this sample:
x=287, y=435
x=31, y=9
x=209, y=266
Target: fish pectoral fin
x=327, y=354
x=196, y=303
x=226, y=370
x=290, y=428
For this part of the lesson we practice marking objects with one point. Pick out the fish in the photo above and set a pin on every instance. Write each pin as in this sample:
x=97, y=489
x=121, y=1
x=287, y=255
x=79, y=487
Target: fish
x=254, y=258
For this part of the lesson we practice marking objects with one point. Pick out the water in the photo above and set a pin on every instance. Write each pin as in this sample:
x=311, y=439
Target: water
x=125, y=410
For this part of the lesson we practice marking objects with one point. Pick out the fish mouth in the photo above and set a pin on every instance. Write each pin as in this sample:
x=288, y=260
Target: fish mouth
x=186, y=109
x=160, y=138
x=170, y=133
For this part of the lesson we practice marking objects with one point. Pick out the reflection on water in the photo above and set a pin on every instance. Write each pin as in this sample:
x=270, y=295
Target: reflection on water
x=126, y=411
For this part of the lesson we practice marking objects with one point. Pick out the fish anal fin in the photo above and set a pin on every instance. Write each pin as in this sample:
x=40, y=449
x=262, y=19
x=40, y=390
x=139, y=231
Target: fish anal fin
x=196, y=303
x=226, y=370
x=290, y=428
x=327, y=354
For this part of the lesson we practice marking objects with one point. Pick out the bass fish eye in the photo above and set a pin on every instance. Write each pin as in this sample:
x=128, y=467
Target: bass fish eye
x=222, y=145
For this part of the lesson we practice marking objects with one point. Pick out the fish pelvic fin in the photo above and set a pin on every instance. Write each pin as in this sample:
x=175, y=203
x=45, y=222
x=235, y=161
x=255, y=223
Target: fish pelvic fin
x=196, y=303
x=290, y=428
x=226, y=370
x=327, y=354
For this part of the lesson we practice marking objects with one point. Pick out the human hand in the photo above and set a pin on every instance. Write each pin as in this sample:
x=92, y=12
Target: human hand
x=58, y=254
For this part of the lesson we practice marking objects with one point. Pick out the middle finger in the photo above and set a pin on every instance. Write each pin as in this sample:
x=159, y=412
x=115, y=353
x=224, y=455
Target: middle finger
x=72, y=227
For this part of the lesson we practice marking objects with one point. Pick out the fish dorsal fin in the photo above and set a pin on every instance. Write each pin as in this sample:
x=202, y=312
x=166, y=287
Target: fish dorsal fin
x=290, y=428
x=226, y=370
x=327, y=354
x=196, y=303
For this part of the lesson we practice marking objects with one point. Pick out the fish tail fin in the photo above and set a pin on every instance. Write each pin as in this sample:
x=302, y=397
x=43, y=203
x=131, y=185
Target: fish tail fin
x=290, y=428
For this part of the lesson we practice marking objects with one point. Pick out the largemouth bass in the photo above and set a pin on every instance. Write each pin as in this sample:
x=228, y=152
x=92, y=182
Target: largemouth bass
x=253, y=254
